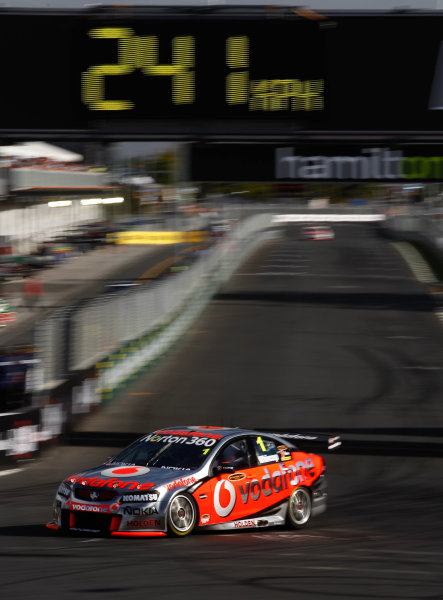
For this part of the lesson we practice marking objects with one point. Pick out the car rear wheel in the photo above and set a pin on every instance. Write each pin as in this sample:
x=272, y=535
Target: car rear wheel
x=182, y=515
x=299, y=508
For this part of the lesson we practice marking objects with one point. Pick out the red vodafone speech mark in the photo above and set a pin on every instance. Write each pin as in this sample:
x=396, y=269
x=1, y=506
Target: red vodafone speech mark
x=125, y=471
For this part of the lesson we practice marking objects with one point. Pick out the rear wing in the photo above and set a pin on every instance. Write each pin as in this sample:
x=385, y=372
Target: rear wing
x=311, y=442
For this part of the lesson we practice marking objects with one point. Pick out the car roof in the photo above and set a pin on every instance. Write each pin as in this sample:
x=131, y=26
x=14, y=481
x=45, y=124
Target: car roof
x=220, y=433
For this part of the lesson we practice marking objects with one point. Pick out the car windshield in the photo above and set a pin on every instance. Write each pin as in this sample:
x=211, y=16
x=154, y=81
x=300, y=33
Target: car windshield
x=167, y=452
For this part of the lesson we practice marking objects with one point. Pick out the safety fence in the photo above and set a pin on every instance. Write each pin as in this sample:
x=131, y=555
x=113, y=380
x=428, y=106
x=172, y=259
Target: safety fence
x=74, y=338
x=86, y=352
x=424, y=227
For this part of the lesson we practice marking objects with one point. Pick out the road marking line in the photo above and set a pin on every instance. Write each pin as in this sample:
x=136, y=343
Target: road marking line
x=155, y=271
x=419, y=267
x=10, y=472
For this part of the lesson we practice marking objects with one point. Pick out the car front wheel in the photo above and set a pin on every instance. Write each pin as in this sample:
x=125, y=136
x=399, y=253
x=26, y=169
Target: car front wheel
x=182, y=515
x=299, y=508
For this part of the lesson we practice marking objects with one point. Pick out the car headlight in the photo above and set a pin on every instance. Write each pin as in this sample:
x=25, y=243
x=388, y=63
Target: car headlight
x=64, y=490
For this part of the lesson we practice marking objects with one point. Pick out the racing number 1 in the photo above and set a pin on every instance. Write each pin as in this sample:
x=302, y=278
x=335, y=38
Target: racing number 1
x=261, y=443
x=136, y=52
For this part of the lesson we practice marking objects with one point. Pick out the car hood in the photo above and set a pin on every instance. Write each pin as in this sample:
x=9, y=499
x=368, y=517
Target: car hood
x=130, y=477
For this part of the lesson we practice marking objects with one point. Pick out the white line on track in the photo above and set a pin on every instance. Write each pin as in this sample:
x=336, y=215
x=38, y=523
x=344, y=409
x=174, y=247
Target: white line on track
x=419, y=267
x=10, y=472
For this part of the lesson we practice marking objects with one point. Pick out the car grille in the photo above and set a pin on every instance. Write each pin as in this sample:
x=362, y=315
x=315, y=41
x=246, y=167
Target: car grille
x=83, y=493
x=93, y=522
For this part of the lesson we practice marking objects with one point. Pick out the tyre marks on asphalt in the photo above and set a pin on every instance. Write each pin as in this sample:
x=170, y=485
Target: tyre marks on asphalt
x=288, y=259
x=295, y=257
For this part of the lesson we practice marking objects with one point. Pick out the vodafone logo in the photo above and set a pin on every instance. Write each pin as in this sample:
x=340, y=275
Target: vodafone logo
x=125, y=471
x=222, y=488
x=97, y=508
x=277, y=481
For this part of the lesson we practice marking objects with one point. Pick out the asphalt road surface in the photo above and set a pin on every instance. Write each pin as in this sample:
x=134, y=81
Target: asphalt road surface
x=335, y=335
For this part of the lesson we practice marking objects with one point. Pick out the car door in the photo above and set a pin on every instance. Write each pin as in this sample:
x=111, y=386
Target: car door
x=245, y=485
x=220, y=498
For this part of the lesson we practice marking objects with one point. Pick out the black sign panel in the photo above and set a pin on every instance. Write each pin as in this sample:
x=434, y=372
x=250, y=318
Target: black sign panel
x=113, y=73
x=316, y=163
x=190, y=73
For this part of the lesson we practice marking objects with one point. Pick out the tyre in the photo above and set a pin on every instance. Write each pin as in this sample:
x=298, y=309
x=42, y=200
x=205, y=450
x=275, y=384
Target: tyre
x=181, y=515
x=299, y=508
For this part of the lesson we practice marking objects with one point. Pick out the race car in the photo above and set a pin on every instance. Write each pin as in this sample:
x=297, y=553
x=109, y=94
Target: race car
x=178, y=480
x=317, y=232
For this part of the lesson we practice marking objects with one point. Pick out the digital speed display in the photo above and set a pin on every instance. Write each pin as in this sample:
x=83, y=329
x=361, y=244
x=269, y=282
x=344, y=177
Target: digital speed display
x=175, y=70
x=189, y=73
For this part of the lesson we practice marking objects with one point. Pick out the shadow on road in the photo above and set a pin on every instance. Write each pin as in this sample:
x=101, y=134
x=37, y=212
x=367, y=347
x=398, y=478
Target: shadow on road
x=375, y=301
